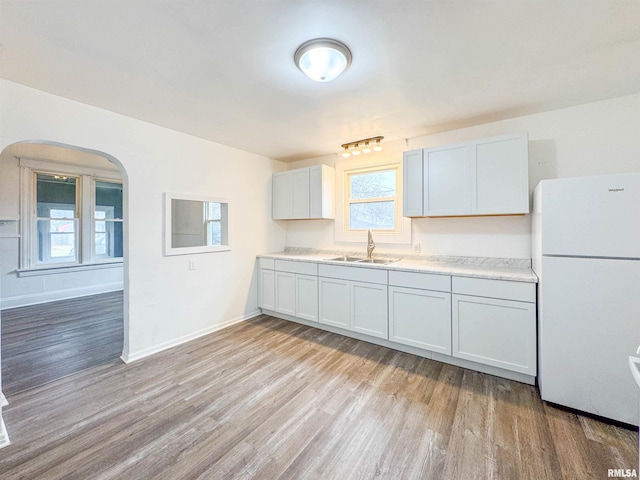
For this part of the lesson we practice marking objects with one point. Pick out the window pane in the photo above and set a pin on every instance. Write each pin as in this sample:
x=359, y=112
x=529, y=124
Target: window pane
x=101, y=244
x=108, y=239
x=374, y=215
x=213, y=211
x=56, y=241
x=55, y=193
x=63, y=226
x=214, y=233
x=108, y=200
x=108, y=234
x=380, y=184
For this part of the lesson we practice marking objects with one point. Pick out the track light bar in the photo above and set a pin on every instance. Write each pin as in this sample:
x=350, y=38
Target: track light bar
x=366, y=146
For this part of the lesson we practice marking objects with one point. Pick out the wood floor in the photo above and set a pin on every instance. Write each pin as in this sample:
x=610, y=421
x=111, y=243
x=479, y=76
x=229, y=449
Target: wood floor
x=42, y=343
x=269, y=399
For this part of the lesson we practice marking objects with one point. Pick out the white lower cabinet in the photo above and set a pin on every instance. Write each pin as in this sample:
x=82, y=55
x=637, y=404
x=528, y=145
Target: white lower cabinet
x=500, y=333
x=357, y=306
x=306, y=296
x=486, y=321
x=335, y=302
x=370, y=309
x=286, y=293
x=266, y=284
x=267, y=289
x=420, y=318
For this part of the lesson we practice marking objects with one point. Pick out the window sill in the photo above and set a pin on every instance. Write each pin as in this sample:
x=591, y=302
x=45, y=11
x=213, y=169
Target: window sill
x=32, y=272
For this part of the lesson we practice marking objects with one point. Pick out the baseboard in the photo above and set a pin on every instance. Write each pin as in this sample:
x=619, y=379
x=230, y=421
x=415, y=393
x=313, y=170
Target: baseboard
x=4, y=435
x=44, y=297
x=3, y=400
x=132, y=357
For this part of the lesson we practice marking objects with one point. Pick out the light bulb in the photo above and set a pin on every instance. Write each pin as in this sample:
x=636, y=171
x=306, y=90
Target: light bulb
x=346, y=154
x=366, y=148
x=356, y=152
x=378, y=147
x=322, y=59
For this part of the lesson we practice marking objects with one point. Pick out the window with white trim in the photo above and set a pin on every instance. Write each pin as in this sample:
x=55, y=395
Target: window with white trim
x=75, y=219
x=369, y=196
x=371, y=199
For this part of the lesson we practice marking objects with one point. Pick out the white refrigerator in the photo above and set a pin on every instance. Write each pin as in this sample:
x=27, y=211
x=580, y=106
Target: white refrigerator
x=586, y=253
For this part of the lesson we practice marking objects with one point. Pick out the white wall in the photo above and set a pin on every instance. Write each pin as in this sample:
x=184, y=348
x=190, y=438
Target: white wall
x=165, y=302
x=20, y=291
x=596, y=138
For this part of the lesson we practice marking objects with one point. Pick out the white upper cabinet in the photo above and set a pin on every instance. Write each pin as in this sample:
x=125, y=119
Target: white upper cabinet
x=479, y=177
x=446, y=181
x=304, y=193
x=282, y=195
x=501, y=172
x=300, y=193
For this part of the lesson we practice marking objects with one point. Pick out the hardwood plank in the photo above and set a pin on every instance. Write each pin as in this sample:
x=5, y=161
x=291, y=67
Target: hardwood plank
x=42, y=343
x=268, y=399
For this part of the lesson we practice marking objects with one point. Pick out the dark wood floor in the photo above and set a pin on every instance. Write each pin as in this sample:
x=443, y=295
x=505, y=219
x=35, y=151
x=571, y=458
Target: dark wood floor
x=42, y=343
x=268, y=399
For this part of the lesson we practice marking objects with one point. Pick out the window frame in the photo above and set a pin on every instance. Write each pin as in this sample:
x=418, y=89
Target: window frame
x=225, y=222
x=342, y=233
x=85, y=205
x=92, y=234
x=348, y=201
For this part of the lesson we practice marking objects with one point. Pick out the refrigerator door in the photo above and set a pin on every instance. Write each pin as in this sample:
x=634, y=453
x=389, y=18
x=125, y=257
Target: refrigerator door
x=592, y=216
x=589, y=324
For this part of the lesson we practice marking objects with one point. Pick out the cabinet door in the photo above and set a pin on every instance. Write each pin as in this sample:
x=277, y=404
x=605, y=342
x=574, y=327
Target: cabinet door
x=267, y=289
x=300, y=193
x=446, y=181
x=286, y=293
x=335, y=302
x=307, y=297
x=501, y=175
x=501, y=333
x=282, y=196
x=369, y=302
x=412, y=183
x=420, y=318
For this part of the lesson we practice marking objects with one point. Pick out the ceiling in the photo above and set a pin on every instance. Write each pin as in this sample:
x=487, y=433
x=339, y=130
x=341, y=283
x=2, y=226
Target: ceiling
x=223, y=70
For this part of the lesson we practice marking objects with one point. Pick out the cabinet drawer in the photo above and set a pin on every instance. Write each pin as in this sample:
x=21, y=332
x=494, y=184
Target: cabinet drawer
x=482, y=287
x=304, y=268
x=267, y=263
x=425, y=281
x=358, y=274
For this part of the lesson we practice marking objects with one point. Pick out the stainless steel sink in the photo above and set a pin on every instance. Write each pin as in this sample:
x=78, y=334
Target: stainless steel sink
x=379, y=261
x=346, y=259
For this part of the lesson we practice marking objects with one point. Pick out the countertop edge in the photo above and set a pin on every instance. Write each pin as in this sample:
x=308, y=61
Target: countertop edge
x=525, y=275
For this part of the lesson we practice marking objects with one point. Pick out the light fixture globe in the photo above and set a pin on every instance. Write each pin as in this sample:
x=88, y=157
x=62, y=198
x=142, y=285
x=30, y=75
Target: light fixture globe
x=322, y=59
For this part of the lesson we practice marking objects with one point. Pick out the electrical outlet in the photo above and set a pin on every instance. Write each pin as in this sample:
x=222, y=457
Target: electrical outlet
x=192, y=264
x=416, y=247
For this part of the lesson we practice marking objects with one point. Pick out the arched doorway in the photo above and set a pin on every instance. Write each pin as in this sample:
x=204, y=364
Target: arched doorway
x=63, y=253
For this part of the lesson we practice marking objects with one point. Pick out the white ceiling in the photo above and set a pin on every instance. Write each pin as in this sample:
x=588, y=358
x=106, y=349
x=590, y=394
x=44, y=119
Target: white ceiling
x=223, y=69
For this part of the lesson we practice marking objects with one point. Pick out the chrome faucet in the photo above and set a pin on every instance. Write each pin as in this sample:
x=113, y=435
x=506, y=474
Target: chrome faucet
x=370, y=244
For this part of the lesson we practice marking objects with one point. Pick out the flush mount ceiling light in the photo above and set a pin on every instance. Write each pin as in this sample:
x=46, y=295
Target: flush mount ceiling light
x=355, y=146
x=322, y=59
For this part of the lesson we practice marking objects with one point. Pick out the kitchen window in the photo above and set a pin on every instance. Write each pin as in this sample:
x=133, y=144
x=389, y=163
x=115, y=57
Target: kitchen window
x=370, y=197
x=72, y=218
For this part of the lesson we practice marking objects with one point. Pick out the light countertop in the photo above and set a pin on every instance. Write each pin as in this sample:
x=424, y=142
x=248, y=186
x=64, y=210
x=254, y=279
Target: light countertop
x=517, y=270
